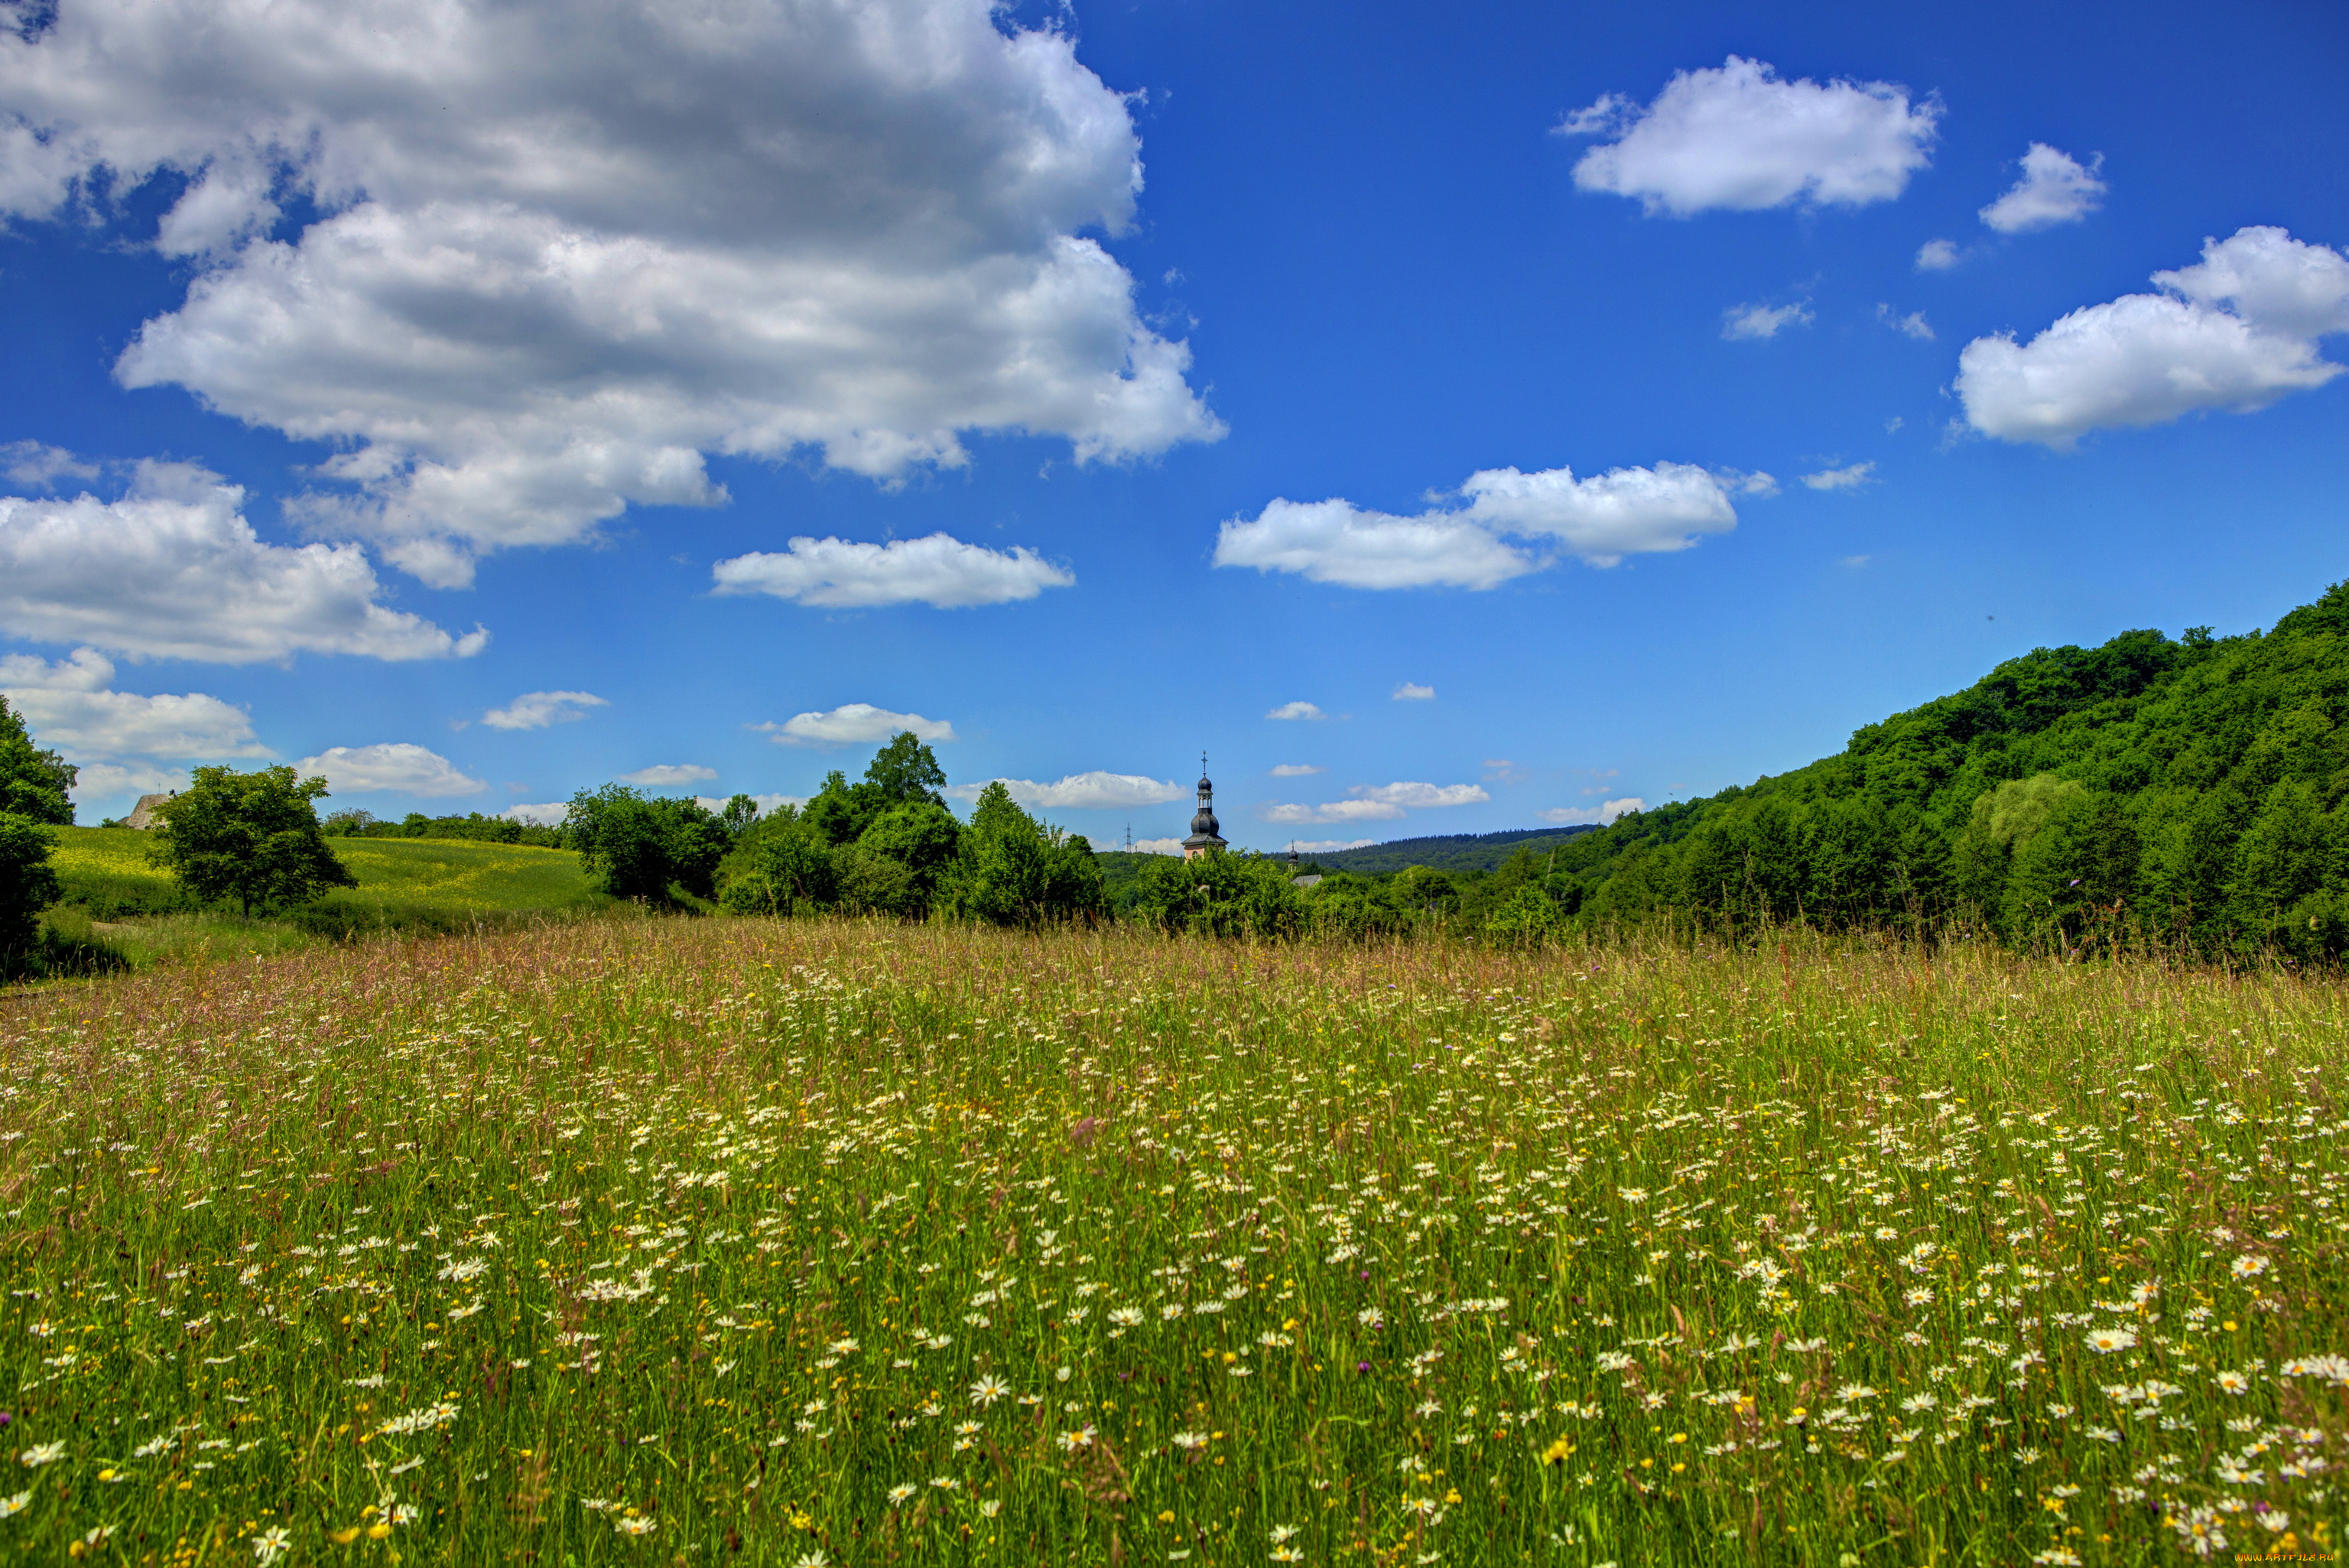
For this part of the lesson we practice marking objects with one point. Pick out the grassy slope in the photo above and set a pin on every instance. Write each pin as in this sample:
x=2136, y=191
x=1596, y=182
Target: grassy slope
x=715, y=1231
x=114, y=893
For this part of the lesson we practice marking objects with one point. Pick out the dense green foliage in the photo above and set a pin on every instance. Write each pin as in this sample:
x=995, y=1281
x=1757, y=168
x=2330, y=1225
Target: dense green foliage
x=1455, y=852
x=252, y=837
x=648, y=849
x=1222, y=895
x=2186, y=790
x=888, y=845
x=33, y=785
x=472, y=825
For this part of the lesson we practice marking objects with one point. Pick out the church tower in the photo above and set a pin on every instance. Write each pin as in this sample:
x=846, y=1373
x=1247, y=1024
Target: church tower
x=1205, y=837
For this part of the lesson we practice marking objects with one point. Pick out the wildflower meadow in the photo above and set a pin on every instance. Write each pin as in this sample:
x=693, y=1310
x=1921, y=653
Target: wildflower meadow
x=815, y=1242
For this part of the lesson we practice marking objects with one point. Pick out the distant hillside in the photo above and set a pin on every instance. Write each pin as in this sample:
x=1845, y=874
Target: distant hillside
x=1447, y=852
x=1443, y=852
x=2193, y=790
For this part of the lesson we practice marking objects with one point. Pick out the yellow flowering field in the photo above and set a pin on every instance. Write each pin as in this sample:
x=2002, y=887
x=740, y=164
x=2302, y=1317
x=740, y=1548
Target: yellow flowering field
x=683, y=1242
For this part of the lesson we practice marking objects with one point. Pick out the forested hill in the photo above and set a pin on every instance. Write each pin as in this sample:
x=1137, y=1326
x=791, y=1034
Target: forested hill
x=1447, y=852
x=2189, y=787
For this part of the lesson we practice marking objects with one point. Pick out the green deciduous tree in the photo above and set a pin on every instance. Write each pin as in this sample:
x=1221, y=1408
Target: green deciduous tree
x=1011, y=869
x=784, y=870
x=642, y=848
x=28, y=884
x=251, y=836
x=33, y=782
x=1221, y=895
x=33, y=785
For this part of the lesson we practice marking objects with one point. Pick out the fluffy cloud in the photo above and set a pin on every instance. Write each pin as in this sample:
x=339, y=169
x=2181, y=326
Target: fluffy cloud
x=1567, y=816
x=939, y=570
x=2236, y=331
x=36, y=467
x=1410, y=692
x=1737, y=137
x=108, y=781
x=1936, y=255
x=67, y=706
x=1300, y=711
x=1296, y=770
x=563, y=249
x=398, y=767
x=1420, y=794
x=1156, y=846
x=1599, y=519
x=173, y=571
x=537, y=709
x=1336, y=542
x=1851, y=478
x=1332, y=811
x=1602, y=519
x=1748, y=322
x=1324, y=846
x=854, y=723
x=1082, y=791
x=668, y=775
x=548, y=814
x=2054, y=189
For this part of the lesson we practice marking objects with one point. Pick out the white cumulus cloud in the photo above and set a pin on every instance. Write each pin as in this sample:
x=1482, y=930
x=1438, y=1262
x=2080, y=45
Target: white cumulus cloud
x=1410, y=692
x=67, y=706
x=547, y=814
x=2236, y=331
x=1336, y=542
x=563, y=249
x=1296, y=770
x=1082, y=791
x=1748, y=322
x=1568, y=816
x=1851, y=478
x=538, y=710
x=1738, y=137
x=1937, y=256
x=1332, y=811
x=2056, y=188
x=173, y=571
x=668, y=775
x=854, y=723
x=1598, y=520
x=1602, y=519
x=1407, y=794
x=1154, y=846
x=939, y=570
x=105, y=780
x=38, y=466
x=1300, y=711
x=398, y=767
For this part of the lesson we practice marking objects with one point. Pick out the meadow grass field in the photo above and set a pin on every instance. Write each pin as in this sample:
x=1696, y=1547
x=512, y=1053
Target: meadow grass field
x=117, y=896
x=673, y=1241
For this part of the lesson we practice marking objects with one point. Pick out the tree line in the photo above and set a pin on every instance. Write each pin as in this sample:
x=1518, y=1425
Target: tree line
x=2190, y=791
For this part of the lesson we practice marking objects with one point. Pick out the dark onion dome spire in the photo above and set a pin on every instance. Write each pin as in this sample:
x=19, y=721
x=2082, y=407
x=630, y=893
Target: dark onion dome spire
x=1207, y=833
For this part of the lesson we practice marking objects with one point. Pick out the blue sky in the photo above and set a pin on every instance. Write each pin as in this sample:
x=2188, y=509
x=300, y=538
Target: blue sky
x=1129, y=372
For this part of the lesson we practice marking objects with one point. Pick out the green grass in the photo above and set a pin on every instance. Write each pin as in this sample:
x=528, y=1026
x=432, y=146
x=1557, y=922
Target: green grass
x=115, y=896
x=671, y=1241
